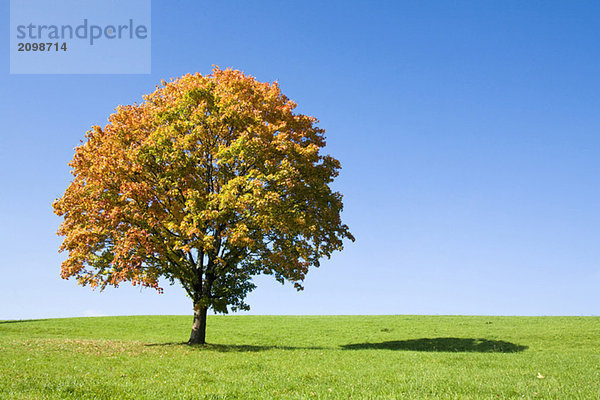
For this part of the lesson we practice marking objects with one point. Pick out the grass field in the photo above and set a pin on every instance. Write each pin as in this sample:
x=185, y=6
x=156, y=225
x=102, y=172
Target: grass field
x=389, y=357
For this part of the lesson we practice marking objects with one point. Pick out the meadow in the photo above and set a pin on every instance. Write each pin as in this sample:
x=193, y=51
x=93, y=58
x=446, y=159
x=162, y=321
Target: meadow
x=337, y=357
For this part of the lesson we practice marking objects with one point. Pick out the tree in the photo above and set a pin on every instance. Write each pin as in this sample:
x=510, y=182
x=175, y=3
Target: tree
x=210, y=181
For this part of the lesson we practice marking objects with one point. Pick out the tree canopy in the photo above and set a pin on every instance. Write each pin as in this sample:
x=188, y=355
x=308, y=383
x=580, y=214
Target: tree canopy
x=209, y=181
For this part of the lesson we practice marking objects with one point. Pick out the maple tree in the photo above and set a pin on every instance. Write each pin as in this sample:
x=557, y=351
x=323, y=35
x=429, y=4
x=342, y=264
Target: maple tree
x=211, y=180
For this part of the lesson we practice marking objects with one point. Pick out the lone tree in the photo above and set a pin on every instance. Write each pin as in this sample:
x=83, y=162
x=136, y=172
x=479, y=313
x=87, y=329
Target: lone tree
x=210, y=181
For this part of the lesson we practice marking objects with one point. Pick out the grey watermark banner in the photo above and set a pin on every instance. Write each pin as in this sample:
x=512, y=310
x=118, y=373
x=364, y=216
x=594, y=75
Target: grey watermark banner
x=80, y=37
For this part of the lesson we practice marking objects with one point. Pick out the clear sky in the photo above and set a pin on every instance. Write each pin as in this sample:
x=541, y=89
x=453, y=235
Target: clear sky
x=469, y=135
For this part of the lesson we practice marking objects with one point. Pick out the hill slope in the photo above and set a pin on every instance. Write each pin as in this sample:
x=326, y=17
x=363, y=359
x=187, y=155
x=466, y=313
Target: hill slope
x=413, y=357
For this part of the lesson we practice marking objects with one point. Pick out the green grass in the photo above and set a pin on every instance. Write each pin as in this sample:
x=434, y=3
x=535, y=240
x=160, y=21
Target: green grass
x=388, y=357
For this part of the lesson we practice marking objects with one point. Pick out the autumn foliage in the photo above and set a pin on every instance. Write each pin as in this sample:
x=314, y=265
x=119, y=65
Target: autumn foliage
x=211, y=180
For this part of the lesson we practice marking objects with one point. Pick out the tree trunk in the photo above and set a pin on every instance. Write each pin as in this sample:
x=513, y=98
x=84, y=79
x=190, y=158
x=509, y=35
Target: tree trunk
x=198, y=335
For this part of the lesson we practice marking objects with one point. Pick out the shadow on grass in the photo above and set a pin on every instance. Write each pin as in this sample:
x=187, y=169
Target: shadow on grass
x=445, y=344
x=225, y=348
x=13, y=321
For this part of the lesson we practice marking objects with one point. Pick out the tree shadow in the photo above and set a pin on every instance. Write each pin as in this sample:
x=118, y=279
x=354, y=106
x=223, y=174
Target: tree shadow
x=444, y=344
x=226, y=348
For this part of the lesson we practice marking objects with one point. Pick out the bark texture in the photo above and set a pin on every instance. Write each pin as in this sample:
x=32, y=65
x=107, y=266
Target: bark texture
x=198, y=335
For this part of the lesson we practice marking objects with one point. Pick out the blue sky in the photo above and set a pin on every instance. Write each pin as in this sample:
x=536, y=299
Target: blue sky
x=469, y=134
